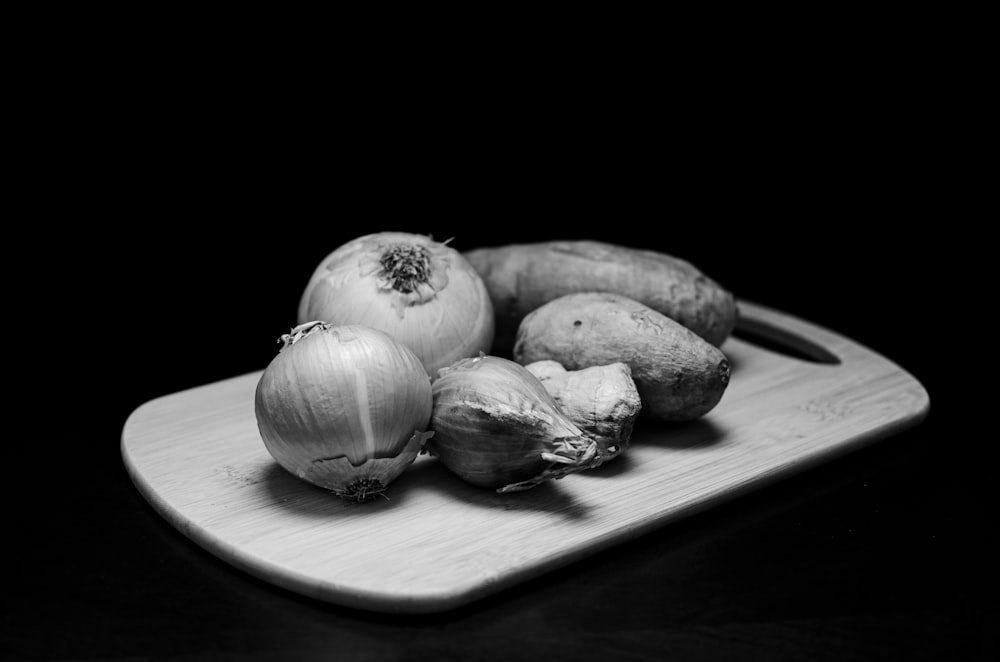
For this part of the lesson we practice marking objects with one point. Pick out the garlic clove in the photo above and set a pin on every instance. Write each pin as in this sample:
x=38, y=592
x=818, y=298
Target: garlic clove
x=495, y=426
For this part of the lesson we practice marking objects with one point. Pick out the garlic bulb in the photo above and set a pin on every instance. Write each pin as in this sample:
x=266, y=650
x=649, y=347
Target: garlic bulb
x=496, y=426
x=420, y=291
x=344, y=407
x=602, y=400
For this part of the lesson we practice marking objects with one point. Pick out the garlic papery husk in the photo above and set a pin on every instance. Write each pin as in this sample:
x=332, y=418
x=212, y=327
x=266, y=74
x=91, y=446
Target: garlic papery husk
x=344, y=407
x=602, y=400
x=495, y=426
x=420, y=291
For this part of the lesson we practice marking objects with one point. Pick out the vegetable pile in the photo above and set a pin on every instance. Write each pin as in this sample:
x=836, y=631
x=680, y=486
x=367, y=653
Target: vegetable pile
x=511, y=365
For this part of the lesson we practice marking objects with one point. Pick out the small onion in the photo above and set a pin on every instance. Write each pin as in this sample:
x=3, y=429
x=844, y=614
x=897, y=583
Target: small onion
x=496, y=426
x=420, y=291
x=344, y=407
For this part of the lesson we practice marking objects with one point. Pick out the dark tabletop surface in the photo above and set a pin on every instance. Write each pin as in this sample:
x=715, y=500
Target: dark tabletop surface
x=885, y=554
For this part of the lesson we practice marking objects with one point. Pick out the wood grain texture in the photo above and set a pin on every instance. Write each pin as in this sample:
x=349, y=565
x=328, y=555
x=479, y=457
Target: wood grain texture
x=438, y=543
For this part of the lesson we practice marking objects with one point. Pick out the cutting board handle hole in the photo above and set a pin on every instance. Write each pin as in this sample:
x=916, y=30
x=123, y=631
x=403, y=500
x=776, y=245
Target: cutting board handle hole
x=782, y=341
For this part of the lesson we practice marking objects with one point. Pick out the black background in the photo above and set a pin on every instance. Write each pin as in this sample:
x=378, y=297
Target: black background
x=168, y=239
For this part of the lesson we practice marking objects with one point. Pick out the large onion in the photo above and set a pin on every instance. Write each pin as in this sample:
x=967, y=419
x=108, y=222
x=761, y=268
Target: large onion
x=344, y=407
x=418, y=290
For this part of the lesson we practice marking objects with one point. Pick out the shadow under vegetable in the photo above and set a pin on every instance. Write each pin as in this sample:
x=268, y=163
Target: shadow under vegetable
x=426, y=474
x=678, y=435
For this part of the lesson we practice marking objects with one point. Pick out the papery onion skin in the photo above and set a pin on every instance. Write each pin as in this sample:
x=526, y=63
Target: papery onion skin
x=495, y=426
x=420, y=291
x=345, y=408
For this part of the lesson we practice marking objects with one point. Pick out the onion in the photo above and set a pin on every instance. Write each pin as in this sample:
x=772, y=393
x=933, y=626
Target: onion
x=495, y=426
x=420, y=291
x=344, y=408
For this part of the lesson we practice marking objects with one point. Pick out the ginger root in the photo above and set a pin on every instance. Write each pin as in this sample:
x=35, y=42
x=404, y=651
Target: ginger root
x=601, y=400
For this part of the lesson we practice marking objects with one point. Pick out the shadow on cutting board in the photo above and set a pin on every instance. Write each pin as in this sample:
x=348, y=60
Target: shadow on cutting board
x=426, y=482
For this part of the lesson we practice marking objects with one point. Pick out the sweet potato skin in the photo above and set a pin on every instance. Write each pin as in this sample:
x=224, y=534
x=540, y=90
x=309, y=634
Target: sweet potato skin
x=522, y=277
x=678, y=374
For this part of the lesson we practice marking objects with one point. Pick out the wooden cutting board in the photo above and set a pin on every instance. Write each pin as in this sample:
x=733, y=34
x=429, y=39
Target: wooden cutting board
x=437, y=543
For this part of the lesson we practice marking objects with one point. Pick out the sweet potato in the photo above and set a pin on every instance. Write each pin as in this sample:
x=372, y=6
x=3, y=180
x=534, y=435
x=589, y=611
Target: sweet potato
x=678, y=374
x=522, y=277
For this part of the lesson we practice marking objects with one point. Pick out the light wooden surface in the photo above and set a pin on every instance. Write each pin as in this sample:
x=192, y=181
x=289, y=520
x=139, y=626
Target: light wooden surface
x=438, y=543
